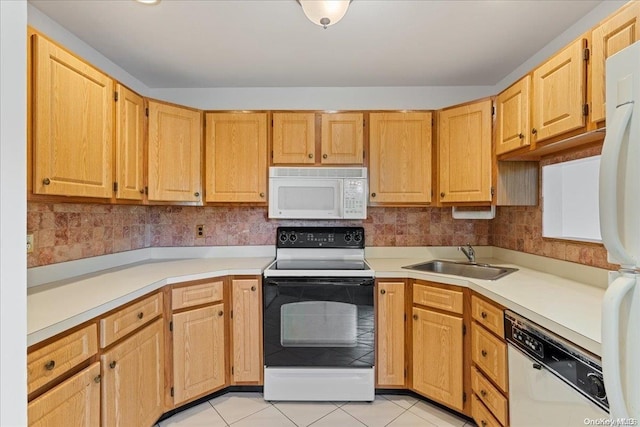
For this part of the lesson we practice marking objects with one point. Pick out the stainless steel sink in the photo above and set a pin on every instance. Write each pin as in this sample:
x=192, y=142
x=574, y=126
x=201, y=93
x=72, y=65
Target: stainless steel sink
x=465, y=269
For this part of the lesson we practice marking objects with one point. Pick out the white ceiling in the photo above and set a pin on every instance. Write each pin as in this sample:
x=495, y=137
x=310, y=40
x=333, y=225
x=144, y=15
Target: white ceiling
x=270, y=43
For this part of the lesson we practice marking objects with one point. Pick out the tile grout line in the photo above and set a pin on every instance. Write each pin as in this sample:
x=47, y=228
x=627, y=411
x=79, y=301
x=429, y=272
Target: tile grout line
x=285, y=415
x=219, y=414
x=240, y=419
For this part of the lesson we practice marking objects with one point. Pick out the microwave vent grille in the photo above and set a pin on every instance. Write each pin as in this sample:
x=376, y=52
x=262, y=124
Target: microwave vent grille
x=310, y=172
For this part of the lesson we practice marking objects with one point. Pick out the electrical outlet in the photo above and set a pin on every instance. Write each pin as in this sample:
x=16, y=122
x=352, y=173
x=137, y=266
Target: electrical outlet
x=199, y=231
x=29, y=243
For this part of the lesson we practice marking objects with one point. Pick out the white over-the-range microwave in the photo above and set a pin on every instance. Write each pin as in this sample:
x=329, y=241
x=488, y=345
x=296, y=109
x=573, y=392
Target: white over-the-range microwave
x=318, y=193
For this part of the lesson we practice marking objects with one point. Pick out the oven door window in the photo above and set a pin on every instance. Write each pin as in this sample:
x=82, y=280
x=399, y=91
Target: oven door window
x=318, y=322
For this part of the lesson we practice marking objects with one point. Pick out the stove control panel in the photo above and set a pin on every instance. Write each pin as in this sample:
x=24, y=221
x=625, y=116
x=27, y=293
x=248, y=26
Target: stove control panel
x=320, y=237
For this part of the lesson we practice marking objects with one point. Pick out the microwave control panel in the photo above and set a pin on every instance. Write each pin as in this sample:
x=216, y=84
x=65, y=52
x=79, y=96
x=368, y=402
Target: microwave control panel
x=355, y=198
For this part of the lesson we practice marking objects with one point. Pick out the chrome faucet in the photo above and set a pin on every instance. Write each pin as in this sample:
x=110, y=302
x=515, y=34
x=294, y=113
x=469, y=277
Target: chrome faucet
x=468, y=252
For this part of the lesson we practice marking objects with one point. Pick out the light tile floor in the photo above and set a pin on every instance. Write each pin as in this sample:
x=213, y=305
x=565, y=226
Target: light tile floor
x=251, y=410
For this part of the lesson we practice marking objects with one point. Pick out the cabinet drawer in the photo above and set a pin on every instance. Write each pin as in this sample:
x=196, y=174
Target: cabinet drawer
x=481, y=414
x=443, y=299
x=490, y=355
x=489, y=395
x=122, y=322
x=60, y=356
x=488, y=315
x=188, y=296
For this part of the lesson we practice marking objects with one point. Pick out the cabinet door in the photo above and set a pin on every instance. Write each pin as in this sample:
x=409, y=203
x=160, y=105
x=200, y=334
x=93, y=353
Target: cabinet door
x=236, y=157
x=133, y=379
x=342, y=139
x=390, y=365
x=198, y=352
x=437, y=356
x=559, y=93
x=75, y=402
x=611, y=36
x=294, y=138
x=400, y=161
x=512, y=117
x=130, y=121
x=73, y=125
x=175, y=137
x=464, y=153
x=246, y=328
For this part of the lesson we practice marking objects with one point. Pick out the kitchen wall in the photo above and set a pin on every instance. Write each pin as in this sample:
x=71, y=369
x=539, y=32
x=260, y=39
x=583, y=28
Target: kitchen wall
x=64, y=232
x=520, y=227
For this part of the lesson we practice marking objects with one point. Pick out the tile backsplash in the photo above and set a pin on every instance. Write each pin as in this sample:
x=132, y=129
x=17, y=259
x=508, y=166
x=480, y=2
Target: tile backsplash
x=64, y=232
x=68, y=231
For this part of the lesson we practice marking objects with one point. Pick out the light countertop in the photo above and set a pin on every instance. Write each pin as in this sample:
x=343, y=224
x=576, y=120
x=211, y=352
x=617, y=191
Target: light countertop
x=55, y=307
x=570, y=308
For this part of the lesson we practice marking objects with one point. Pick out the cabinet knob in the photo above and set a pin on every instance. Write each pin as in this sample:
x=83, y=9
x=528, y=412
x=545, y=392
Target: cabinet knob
x=442, y=194
x=140, y=315
x=415, y=317
x=97, y=379
x=382, y=291
x=521, y=135
x=483, y=393
x=253, y=288
x=220, y=313
x=46, y=181
x=483, y=314
x=484, y=353
x=197, y=194
x=484, y=423
x=113, y=364
x=50, y=365
x=142, y=191
x=373, y=194
x=534, y=131
x=324, y=156
x=262, y=195
x=310, y=156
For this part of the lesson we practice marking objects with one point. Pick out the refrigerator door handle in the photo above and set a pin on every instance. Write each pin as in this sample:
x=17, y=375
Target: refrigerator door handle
x=608, y=185
x=613, y=298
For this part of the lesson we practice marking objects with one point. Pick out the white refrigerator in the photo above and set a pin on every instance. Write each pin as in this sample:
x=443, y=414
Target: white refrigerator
x=620, y=229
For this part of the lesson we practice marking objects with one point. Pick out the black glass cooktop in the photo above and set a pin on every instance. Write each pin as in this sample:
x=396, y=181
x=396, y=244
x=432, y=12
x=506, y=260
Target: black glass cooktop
x=314, y=264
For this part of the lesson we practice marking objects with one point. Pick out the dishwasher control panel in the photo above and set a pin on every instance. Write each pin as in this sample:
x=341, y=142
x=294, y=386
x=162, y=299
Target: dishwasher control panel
x=570, y=363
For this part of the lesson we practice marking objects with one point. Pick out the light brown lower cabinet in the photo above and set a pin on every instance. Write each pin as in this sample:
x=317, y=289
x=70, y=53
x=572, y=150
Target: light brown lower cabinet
x=390, y=359
x=437, y=356
x=481, y=415
x=198, y=352
x=133, y=379
x=246, y=331
x=74, y=402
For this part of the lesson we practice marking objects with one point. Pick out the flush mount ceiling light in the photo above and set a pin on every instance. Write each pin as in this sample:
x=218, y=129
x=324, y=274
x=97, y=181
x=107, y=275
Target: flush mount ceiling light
x=148, y=1
x=324, y=12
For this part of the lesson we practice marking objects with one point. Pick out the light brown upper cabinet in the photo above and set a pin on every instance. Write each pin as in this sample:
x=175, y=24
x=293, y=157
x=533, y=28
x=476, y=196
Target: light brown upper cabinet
x=400, y=160
x=559, y=93
x=236, y=157
x=294, y=138
x=72, y=124
x=612, y=35
x=464, y=153
x=130, y=121
x=175, y=139
x=513, y=117
x=342, y=139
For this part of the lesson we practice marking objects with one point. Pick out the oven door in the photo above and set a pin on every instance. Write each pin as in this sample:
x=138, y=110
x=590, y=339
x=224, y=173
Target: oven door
x=318, y=322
